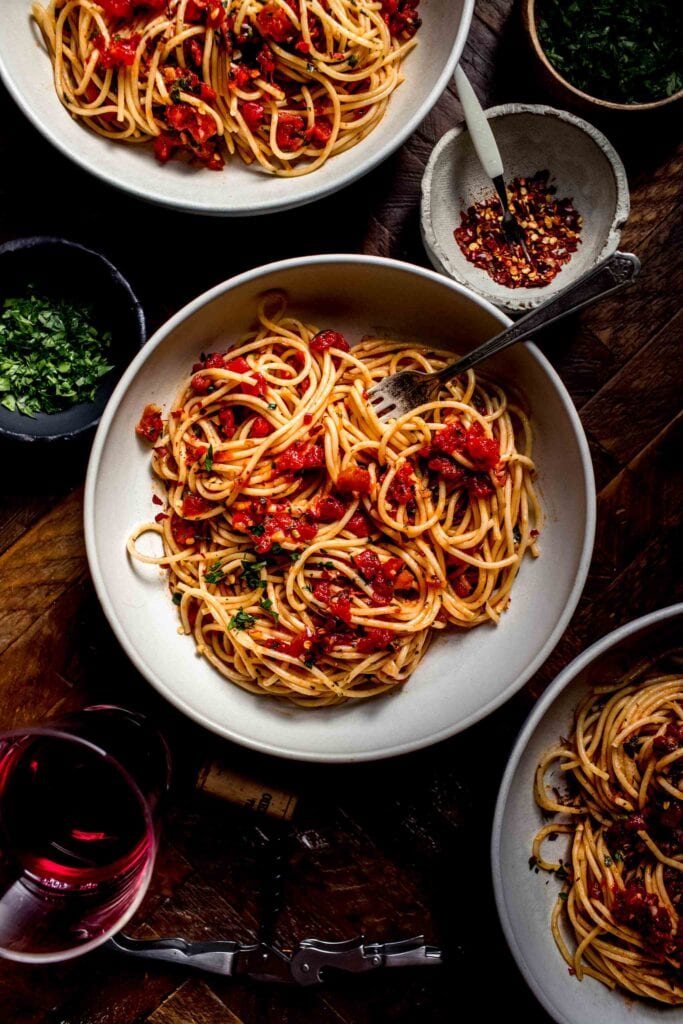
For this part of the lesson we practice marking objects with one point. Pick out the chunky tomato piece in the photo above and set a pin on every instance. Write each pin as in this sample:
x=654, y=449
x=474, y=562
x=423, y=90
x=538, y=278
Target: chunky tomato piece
x=306, y=529
x=226, y=418
x=448, y=469
x=214, y=361
x=238, y=365
x=185, y=533
x=338, y=603
x=483, y=451
x=320, y=136
x=324, y=340
x=368, y=563
x=261, y=427
x=211, y=11
x=117, y=8
x=119, y=52
x=194, y=453
x=479, y=485
x=328, y=510
x=253, y=114
x=195, y=505
x=450, y=439
x=185, y=117
x=301, y=455
x=290, y=132
x=273, y=23
x=355, y=479
x=151, y=425
x=241, y=521
x=402, y=487
x=258, y=388
x=300, y=644
x=359, y=525
x=201, y=384
x=164, y=147
x=374, y=640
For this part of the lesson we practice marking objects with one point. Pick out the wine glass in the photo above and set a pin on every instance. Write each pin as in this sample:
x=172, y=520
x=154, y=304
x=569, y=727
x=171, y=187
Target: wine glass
x=79, y=802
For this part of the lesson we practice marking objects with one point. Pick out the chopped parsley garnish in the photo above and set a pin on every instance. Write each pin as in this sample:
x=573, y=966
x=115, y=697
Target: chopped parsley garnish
x=241, y=620
x=267, y=606
x=272, y=405
x=51, y=355
x=208, y=460
x=608, y=862
x=309, y=662
x=626, y=51
x=177, y=597
x=252, y=574
x=516, y=534
x=352, y=61
x=257, y=530
x=325, y=565
x=562, y=896
x=215, y=574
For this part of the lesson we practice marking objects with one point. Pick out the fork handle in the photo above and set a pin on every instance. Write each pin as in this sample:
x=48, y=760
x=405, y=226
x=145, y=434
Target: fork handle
x=616, y=272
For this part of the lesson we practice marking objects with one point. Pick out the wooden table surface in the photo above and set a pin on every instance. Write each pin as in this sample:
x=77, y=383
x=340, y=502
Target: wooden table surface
x=395, y=847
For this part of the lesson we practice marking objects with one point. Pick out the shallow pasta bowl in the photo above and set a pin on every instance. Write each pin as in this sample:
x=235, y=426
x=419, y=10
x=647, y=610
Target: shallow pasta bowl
x=237, y=190
x=525, y=899
x=465, y=675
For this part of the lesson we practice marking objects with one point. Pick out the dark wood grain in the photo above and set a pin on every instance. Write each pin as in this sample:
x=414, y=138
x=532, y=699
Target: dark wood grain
x=400, y=846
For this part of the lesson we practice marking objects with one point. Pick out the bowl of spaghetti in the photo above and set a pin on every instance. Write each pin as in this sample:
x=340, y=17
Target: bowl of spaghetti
x=303, y=579
x=288, y=100
x=587, y=837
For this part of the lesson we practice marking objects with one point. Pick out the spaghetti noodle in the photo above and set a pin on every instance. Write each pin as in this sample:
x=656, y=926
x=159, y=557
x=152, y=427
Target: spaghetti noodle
x=285, y=84
x=313, y=551
x=623, y=899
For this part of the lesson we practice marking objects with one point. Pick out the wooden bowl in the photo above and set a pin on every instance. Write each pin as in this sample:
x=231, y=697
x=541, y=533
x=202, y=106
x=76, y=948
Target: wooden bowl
x=568, y=94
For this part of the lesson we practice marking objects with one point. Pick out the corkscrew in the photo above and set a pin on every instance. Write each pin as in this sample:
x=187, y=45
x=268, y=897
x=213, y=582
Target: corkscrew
x=306, y=964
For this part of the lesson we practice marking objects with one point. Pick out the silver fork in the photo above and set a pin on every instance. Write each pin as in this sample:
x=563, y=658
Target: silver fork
x=399, y=394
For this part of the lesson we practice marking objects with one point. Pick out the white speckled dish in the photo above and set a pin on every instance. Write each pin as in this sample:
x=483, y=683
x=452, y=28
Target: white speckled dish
x=525, y=899
x=238, y=190
x=464, y=675
x=582, y=163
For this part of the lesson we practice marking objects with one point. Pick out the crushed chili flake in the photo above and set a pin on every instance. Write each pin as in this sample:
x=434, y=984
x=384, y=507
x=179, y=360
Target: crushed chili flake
x=551, y=230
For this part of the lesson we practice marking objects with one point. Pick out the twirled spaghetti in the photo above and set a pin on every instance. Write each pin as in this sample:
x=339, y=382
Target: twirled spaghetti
x=312, y=549
x=286, y=83
x=623, y=899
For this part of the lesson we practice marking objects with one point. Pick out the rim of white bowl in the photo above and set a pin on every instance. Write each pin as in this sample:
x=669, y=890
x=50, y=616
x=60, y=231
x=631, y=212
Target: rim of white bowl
x=93, y=471
x=564, y=679
x=269, y=206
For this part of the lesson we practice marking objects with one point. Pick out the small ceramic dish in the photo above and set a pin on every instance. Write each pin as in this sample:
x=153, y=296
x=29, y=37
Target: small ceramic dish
x=59, y=269
x=566, y=93
x=583, y=166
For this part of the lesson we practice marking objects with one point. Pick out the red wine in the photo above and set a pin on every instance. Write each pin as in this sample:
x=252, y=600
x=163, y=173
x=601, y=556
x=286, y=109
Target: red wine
x=78, y=844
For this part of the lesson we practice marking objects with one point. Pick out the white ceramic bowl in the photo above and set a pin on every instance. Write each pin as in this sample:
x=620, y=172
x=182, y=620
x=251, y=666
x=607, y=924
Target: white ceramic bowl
x=583, y=166
x=464, y=675
x=237, y=190
x=525, y=899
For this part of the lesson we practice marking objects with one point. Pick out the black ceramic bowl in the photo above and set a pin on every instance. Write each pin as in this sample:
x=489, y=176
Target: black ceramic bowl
x=58, y=269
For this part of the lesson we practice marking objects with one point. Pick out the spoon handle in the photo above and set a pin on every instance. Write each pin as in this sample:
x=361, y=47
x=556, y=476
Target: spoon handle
x=479, y=128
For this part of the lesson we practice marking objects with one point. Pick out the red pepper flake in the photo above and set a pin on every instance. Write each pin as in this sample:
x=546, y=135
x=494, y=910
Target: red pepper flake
x=159, y=517
x=551, y=229
x=156, y=499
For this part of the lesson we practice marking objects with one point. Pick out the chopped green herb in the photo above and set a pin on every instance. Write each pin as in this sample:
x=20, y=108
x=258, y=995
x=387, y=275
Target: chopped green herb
x=252, y=574
x=241, y=620
x=608, y=862
x=51, y=355
x=267, y=606
x=177, y=597
x=272, y=405
x=310, y=67
x=258, y=530
x=625, y=51
x=562, y=896
x=562, y=872
x=215, y=574
x=208, y=460
x=516, y=534
x=325, y=565
x=352, y=61
x=309, y=662
x=618, y=856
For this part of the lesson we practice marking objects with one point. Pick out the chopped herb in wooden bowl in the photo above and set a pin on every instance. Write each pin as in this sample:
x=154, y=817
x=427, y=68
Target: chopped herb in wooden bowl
x=621, y=51
x=52, y=355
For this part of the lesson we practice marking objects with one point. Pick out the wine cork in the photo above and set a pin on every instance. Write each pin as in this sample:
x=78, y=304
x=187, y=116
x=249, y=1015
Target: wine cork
x=250, y=794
